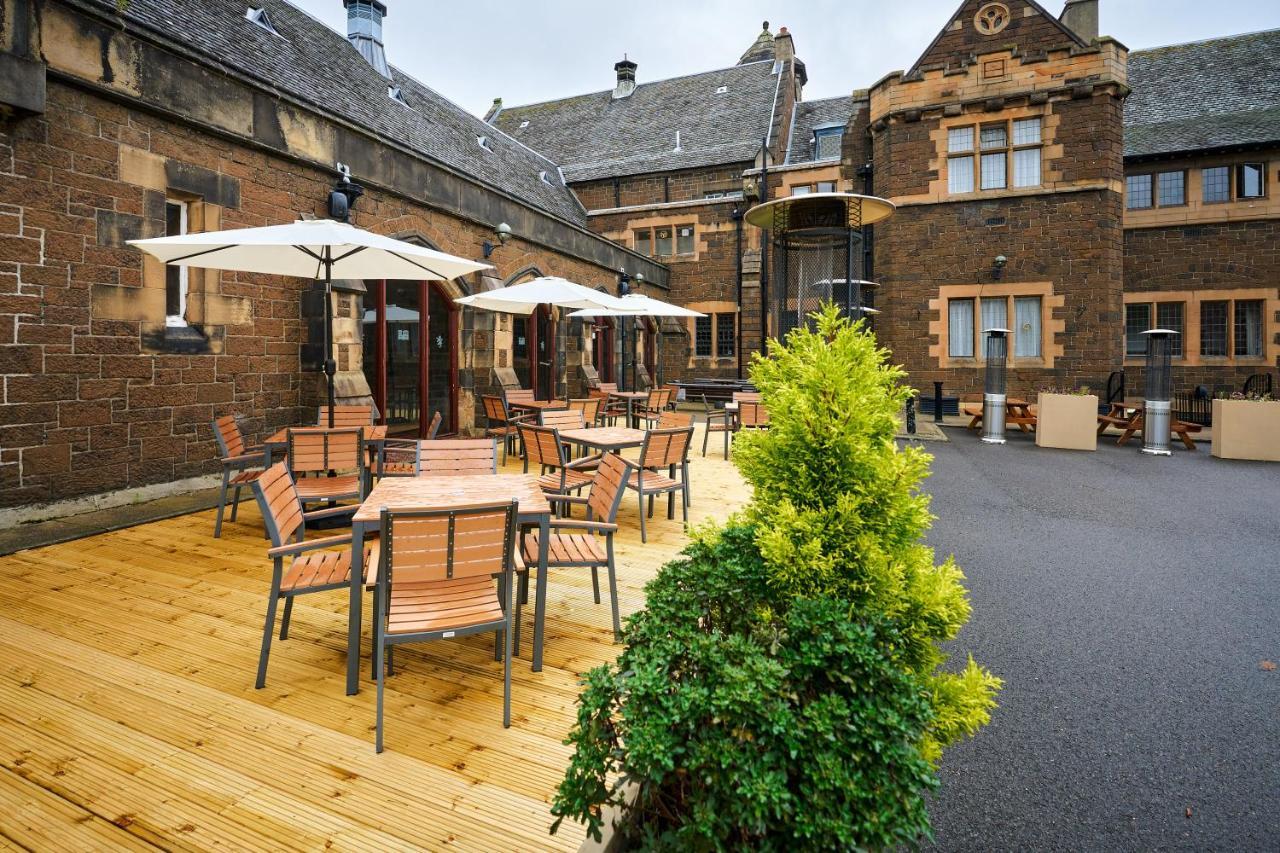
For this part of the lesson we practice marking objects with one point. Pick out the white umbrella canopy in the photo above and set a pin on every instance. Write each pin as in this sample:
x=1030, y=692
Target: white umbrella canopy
x=525, y=297
x=316, y=249
x=319, y=249
x=637, y=304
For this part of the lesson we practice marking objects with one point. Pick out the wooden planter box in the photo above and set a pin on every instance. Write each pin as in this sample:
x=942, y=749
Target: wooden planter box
x=1246, y=429
x=1067, y=421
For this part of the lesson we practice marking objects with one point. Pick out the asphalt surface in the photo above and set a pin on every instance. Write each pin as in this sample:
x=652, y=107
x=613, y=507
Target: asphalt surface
x=1129, y=603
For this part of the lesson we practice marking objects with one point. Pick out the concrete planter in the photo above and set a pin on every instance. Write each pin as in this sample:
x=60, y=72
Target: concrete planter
x=1067, y=421
x=1246, y=429
x=611, y=838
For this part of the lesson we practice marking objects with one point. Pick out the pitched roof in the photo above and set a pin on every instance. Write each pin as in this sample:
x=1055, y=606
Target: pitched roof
x=1206, y=94
x=311, y=63
x=597, y=136
x=813, y=114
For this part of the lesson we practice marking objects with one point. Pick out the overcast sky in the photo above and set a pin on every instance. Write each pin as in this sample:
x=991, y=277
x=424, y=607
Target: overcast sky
x=472, y=52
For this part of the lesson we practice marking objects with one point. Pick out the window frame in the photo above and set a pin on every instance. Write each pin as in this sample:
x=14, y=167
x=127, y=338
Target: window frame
x=969, y=336
x=1204, y=183
x=977, y=152
x=1158, y=198
x=182, y=275
x=1227, y=344
x=1239, y=180
x=723, y=319
x=1150, y=179
x=822, y=133
x=649, y=234
x=698, y=322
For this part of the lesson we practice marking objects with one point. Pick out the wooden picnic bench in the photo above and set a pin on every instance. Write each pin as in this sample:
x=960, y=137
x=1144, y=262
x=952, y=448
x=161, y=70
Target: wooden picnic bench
x=1016, y=412
x=1127, y=416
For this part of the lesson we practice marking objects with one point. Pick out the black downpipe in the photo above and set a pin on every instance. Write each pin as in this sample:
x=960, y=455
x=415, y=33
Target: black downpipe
x=866, y=172
x=764, y=252
x=737, y=219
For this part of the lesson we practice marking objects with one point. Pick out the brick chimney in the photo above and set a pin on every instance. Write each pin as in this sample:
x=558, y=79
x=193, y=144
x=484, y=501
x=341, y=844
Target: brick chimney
x=626, y=78
x=783, y=47
x=364, y=31
x=1081, y=17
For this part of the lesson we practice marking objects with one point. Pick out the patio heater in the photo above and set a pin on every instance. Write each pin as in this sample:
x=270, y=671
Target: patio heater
x=1157, y=418
x=817, y=254
x=993, y=396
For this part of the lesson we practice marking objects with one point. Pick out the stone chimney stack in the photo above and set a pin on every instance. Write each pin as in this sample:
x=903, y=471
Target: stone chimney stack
x=626, y=78
x=783, y=47
x=364, y=31
x=1081, y=17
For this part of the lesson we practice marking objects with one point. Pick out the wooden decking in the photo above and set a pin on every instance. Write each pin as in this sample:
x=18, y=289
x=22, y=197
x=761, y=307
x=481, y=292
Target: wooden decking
x=128, y=717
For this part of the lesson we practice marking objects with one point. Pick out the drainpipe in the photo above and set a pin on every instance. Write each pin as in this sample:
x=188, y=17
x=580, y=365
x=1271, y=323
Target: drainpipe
x=865, y=172
x=737, y=219
x=764, y=251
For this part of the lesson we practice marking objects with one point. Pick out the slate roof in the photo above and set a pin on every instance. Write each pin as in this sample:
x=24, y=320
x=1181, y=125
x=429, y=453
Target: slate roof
x=811, y=114
x=312, y=63
x=595, y=136
x=1206, y=94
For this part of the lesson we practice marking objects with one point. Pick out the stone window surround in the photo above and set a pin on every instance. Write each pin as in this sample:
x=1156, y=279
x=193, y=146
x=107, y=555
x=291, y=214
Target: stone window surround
x=1009, y=149
x=1192, y=299
x=1198, y=211
x=650, y=223
x=713, y=310
x=1050, y=329
x=1050, y=151
x=809, y=177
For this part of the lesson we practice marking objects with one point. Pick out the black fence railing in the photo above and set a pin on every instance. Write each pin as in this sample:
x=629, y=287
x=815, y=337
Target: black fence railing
x=1193, y=407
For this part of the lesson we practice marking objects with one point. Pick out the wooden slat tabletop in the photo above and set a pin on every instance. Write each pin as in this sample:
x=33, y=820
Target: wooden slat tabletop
x=444, y=492
x=605, y=438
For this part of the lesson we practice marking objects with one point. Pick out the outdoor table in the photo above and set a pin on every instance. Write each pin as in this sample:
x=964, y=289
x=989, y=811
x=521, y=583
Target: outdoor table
x=375, y=436
x=537, y=405
x=445, y=493
x=607, y=439
x=631, y=397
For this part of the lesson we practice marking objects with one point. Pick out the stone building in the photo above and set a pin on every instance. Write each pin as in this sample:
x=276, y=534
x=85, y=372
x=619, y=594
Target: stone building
x=164, y=116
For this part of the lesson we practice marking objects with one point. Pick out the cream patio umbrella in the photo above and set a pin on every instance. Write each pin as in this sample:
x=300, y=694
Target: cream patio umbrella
x=525, y=297
x=639, y=305
x=319, y=249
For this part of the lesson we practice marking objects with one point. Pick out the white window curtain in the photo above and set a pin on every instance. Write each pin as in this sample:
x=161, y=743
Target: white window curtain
x=995, y=315
x=960, y=175
x=1026, y=310
x=960, y=328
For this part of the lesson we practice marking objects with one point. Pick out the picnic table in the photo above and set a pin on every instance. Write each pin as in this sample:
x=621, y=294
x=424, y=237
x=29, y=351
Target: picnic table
x=1127, y=416
x=447, y=493
x=1016, y=412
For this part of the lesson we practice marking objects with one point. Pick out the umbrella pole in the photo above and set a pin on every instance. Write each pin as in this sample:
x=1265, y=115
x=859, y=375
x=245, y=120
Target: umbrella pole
x=330, y=366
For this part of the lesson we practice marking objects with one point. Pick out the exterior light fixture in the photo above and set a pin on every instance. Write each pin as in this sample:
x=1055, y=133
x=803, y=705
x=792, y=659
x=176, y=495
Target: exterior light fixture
x=997, y=267
x=624, y=288
x=993, y=396
x=343, y=195
x=503, y=233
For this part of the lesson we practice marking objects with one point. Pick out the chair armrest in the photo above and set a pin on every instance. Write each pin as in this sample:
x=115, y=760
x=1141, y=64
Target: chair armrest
x=569, y=499
x=602, y=526
x=300, y=547
x=586, y=462
x=331, y=511
x=244, y=459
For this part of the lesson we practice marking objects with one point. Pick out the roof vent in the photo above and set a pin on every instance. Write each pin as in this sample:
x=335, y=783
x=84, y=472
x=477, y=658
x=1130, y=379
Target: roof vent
x=259, y=17
x=544, y=177
x=626, y=78
x=721, y=90
x=364, y=31
x=394, y=93
x=677, y=148
x=524, y=124
x=483, y=142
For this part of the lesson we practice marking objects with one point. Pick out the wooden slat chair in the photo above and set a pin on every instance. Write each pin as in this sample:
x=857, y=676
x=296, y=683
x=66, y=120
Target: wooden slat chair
x=717, y=421
x=654, y=406
x=346, y=416
x=563, y=418
x=557, y=475
x=458, y=457
x=316, y=453
x=400, y=456
x=502, y=424
x=607, y=414
x=574, y=543
x=752, y=415
x=675, y=420
x=311, y=566
x=516, y=396
x=436, y=583
x=673, y=395
x=590, y=408
x=669, y=449
x=241, y=465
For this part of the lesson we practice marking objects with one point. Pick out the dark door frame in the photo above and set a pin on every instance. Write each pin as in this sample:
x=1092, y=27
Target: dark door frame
x=424, y=350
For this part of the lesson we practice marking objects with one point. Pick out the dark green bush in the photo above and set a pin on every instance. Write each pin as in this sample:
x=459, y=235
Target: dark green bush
x=743, y=728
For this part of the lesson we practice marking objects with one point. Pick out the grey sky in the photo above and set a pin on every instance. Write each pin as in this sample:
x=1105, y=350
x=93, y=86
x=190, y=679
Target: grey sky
x=472, y=52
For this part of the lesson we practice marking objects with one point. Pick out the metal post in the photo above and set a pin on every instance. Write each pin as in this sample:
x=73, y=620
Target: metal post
x=911, y=415
x=993, y=409
x=937, y=402
x=330, y=365
x=1157, y=418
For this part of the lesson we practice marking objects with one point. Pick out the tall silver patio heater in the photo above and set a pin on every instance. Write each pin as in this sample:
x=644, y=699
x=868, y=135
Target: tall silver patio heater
x=817, y=254
x=1157, y=418
x=993, y=395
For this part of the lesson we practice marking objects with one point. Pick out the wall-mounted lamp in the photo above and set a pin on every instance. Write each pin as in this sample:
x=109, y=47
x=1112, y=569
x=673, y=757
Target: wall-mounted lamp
x=997, y=267
x=624, y=282
x=503, y=233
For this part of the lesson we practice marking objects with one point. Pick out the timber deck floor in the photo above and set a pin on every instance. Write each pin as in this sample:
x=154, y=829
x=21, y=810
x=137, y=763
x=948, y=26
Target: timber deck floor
x=128, y=717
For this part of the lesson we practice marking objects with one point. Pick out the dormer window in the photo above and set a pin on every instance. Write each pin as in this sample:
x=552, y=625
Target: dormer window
x=826, y=143
x=259, y=17
x=394, y=93
x=544, y=177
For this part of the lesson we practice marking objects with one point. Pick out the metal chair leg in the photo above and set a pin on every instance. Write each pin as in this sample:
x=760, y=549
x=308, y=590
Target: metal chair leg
x=706, y=435
x=506, y=662
x=595, y=583
x=235, y=503
x=643, y=537
x=613, y=591
x=284, y=623
x=379, y=643
x=267, y=630
x=222, y=505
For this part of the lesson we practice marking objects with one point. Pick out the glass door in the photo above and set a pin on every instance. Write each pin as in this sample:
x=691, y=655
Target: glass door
x=442, y=367
x=402, y=333
x=544, y=346
x=602, y=348
x=520, y=346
